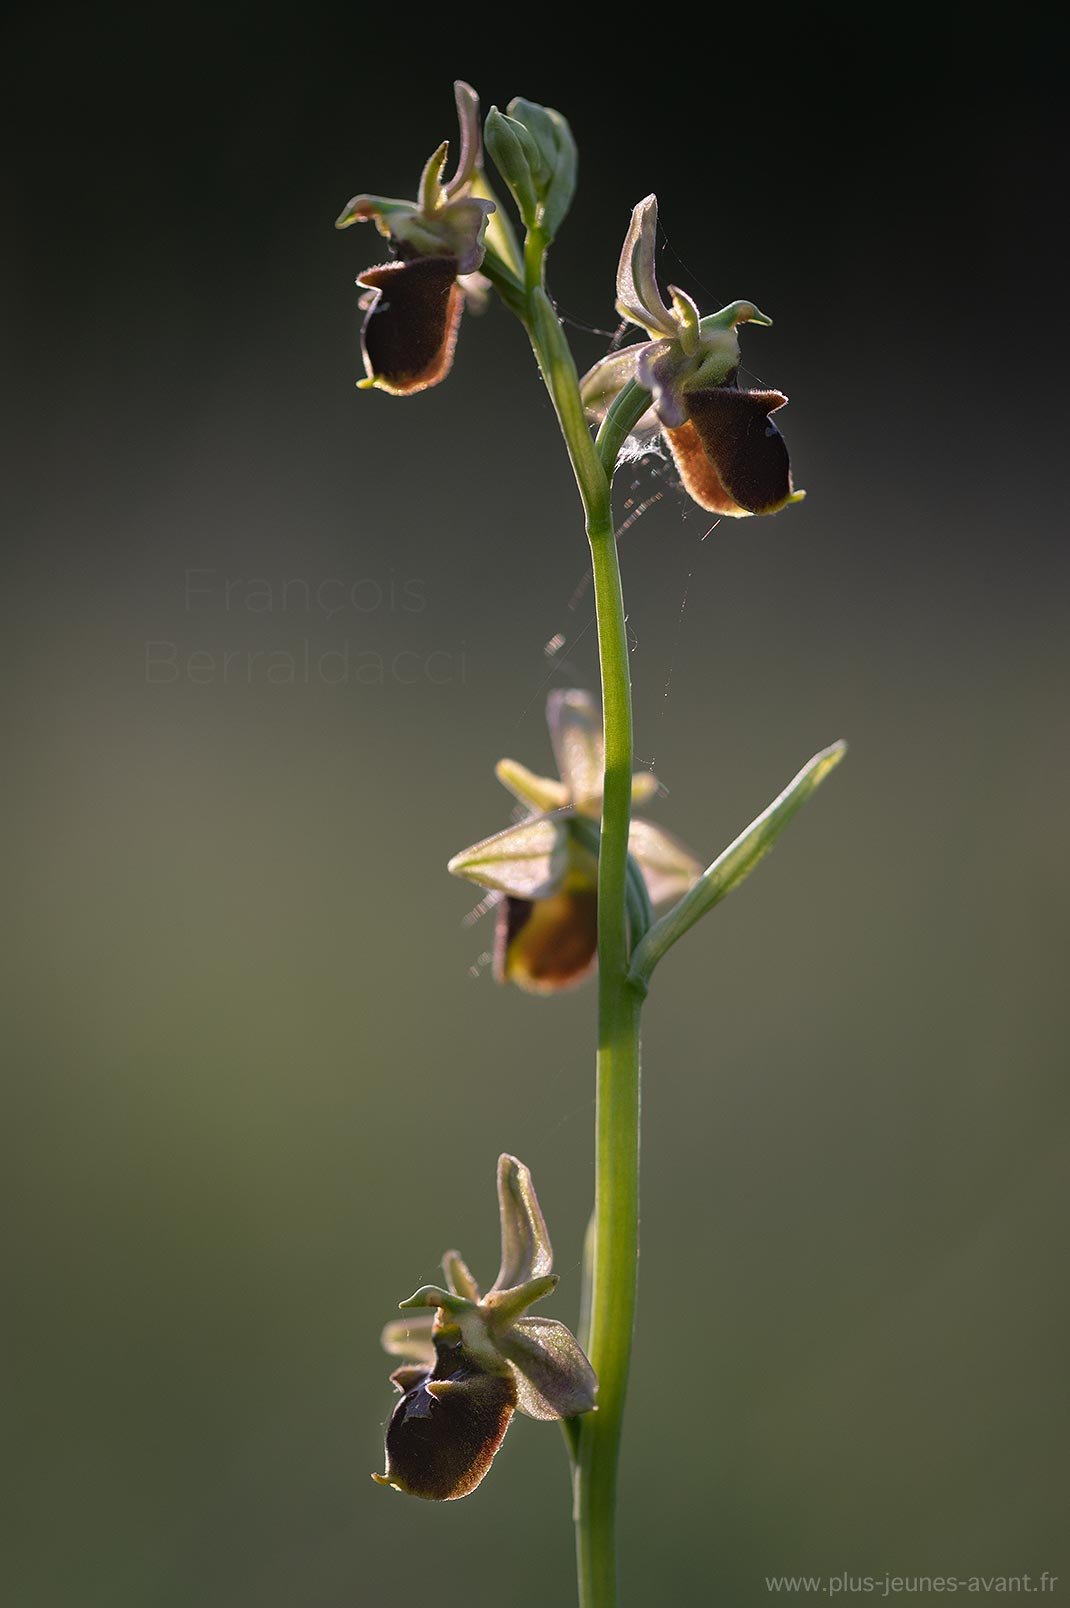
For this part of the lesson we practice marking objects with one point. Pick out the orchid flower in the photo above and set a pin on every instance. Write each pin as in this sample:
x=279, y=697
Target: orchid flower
x=731, y=456
x=546, y=868
x=475, y=1359
x=412, y=304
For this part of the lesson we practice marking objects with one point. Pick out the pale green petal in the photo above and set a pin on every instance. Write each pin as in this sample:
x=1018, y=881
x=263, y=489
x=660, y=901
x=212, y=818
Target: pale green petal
x=542, y=792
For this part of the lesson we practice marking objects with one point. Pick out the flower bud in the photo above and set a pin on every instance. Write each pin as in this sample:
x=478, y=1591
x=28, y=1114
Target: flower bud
x=535, y=153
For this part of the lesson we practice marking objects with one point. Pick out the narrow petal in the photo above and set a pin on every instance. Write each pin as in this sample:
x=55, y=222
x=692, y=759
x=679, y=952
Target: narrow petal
x=410, y=1337
x=545, y=945
x=526, y=1250
x=458, y=1277
x=501, y=1309
x=541, y=792
x=668, y=868
x=575, y=723
x=431, y=191
x=687, y=316
x=382, y=210
x=743, y=447
x=410, y=327
x=554, y=1378
x=529, y=861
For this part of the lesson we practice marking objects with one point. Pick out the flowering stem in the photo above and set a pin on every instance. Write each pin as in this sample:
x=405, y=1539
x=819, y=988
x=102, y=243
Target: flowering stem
x=596, y=1447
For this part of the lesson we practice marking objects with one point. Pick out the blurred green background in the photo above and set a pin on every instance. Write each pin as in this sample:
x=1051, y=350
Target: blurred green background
x=254, y=1087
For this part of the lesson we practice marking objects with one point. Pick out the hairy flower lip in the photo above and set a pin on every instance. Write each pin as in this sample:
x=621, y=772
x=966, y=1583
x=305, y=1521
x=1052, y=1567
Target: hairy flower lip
x=547, y=945
x=730, y=454
x=446, y=1429
x=410, y=325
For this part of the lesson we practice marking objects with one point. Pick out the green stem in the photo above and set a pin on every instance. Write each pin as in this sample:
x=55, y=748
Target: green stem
x=615, y=1263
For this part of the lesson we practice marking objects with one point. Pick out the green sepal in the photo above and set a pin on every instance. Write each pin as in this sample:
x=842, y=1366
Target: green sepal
x=553, y=1376
x=529, y=861
x=732, y=866
x=526, y=1250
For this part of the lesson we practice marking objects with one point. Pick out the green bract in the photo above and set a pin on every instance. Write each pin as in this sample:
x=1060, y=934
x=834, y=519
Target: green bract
x=475, y=1359
x=731, y=456
x=546, y=868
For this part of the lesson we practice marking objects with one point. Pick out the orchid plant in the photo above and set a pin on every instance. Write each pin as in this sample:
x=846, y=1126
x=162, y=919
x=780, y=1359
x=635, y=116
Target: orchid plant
x=577, y=879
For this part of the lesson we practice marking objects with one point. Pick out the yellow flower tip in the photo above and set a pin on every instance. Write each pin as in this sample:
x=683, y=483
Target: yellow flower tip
x=384, y=1479
x=367, y=384
x=796, y=496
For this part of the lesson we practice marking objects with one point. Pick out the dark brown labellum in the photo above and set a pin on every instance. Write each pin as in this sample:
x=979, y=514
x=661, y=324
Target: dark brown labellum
x=445, y=1430
x=547, y=944
x=410, y=328
x=730, y=454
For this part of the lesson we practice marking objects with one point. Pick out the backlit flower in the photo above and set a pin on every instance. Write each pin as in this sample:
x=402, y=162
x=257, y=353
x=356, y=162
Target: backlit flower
x=412, y=304
x=474, y=1359
x=546, y=868
x=730, y=454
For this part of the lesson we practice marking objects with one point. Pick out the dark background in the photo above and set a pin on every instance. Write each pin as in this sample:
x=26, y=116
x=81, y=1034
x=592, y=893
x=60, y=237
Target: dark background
x=254, y=1089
